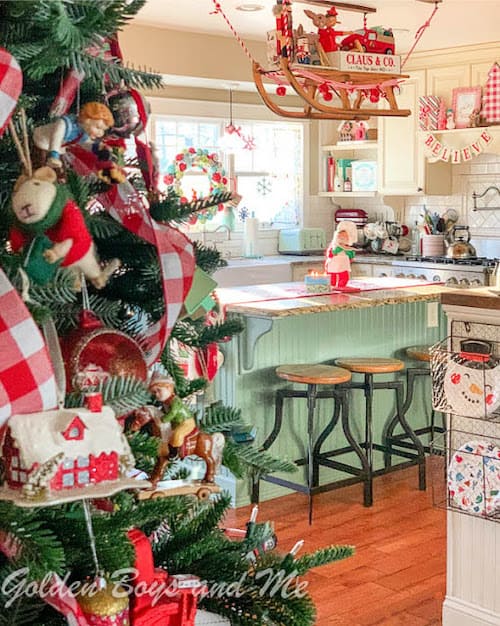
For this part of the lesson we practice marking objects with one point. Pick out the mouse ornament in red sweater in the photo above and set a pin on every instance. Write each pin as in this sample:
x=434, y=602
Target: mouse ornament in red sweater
x=50, y=230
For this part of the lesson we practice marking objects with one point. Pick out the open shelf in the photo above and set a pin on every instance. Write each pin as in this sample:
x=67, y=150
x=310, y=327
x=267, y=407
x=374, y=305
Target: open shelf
x=347, y=194
x=351, y=145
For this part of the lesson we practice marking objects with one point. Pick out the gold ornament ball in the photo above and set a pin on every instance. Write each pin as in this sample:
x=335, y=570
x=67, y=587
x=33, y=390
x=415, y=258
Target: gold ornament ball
x=104, y=603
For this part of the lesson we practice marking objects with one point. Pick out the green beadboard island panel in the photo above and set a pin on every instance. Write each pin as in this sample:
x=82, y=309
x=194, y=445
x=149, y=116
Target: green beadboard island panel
x=374, y=323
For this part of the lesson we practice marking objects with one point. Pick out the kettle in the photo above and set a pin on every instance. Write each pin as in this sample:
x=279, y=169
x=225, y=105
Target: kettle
x=457, y=243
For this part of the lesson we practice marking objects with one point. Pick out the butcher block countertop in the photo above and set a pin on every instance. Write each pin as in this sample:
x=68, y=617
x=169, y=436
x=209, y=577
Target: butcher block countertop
x=286, y=299
x=481, y=298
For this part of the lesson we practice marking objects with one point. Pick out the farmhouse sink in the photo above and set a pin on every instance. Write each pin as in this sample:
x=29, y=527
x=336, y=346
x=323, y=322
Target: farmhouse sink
x=253, y=272
x=259, y=271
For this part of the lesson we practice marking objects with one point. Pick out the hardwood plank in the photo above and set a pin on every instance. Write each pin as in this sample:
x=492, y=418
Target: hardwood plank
x=397, y=575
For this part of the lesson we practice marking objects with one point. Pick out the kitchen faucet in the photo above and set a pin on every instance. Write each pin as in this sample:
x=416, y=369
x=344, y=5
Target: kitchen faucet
x=226, y=228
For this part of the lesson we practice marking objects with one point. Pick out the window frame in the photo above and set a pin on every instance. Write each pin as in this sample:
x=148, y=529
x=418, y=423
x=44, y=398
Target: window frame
x=218, y=111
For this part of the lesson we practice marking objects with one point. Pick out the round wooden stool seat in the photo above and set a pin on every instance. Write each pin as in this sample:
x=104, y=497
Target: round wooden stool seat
x=419, y=353
x=371, y=365
x=314, y=374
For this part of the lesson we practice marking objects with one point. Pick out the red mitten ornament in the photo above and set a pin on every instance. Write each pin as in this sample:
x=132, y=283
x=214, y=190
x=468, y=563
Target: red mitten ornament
x=93, y=353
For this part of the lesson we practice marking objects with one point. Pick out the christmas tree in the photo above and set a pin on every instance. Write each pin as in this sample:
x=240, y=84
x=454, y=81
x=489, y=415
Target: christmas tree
x=125, y=300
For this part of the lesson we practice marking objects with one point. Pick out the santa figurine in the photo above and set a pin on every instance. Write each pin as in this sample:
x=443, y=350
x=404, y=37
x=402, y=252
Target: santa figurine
x=340, y=253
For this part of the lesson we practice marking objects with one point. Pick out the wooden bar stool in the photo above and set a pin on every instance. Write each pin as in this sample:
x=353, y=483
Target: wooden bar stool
x=370, y=367
x=421, y=355
x=312, y=376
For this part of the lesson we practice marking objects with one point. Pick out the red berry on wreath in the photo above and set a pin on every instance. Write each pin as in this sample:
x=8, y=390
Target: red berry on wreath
x=168, y=179
x=281, y=91
x=182, y=167
x=184, y=200
x=192, y=150
x=216, y=177
x=224, y=181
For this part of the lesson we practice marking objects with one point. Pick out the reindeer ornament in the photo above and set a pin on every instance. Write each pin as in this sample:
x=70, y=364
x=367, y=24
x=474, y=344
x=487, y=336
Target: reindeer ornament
x=49, y=226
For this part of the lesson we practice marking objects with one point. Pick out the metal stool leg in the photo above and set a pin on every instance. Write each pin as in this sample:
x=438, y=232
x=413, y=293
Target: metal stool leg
x=338, y=398
x=411, y=435
x=311, y=404
x=278, y=420
x=368, y=390
x=366, y=473
x=389, y=432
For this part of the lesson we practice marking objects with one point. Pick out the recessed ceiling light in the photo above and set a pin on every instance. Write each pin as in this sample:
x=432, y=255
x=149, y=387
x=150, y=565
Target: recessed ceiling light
x=250, y=7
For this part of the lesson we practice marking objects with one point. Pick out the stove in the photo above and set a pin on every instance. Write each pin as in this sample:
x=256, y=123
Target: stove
x=473, y=272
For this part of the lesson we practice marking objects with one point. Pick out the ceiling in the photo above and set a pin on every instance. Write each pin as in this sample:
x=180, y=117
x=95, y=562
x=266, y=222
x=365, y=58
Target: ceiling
x=456, y=23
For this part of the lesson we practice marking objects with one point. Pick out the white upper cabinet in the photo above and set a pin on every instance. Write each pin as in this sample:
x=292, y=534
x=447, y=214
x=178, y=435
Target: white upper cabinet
x=405, y=170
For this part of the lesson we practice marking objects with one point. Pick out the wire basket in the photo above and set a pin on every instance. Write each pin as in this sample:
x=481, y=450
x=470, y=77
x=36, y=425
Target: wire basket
x=465, y=474
x=465, y=375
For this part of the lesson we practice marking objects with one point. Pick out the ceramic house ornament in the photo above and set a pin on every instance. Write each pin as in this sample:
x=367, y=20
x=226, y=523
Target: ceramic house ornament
x=472, y=381
x=65, y=455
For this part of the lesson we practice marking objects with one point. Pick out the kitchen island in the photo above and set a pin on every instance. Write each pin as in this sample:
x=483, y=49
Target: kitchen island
x=286, y=325
x=473, y=541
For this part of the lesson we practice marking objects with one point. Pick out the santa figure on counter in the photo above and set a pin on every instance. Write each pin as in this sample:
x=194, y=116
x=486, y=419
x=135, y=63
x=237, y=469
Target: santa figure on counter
x=340, y=253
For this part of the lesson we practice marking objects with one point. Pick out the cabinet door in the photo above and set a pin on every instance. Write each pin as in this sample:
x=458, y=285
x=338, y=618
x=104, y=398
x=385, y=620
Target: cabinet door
x=402, y=171
x=405, y=169
x=442, y=80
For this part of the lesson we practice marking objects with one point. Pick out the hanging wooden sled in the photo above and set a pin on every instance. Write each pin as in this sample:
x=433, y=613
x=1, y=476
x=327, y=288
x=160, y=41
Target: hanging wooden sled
x=312, y=83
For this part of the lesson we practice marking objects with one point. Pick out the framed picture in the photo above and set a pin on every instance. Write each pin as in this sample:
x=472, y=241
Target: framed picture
x=466, y=102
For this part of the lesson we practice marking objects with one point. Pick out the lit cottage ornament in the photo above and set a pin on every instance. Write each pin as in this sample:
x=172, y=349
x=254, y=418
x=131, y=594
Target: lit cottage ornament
x=65, y=455
x=209, y=163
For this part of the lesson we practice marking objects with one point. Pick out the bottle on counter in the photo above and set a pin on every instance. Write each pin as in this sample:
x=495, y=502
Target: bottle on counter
x=415, y=240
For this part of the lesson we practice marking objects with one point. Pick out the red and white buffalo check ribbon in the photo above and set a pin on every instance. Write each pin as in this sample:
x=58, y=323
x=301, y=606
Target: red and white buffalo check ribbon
x=175, y=250
x=11, y=83
x=59, y=597
x=27, y=381
x=176, y=258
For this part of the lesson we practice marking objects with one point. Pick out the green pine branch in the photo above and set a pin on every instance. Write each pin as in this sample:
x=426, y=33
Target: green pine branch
x=144, y=447
x=208, y=258
x=323, y=556
x=122, y=393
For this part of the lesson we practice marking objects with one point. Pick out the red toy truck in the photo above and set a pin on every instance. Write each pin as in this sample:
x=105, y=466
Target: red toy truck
x=377, y=39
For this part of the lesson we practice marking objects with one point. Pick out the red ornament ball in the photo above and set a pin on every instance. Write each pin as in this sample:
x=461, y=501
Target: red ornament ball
x=374, y=95
x=93, y=353
x=216, y=177
x=281, y=91
x=182, y=166
x=327, y=95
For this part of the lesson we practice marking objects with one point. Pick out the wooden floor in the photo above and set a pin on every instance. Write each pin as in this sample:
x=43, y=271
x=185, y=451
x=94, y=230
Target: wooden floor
x=396, y=577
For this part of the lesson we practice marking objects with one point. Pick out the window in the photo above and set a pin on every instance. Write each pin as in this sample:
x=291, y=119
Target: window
x=269, y=178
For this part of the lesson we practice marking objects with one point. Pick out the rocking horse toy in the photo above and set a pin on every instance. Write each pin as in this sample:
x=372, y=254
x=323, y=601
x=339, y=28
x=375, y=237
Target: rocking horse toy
x=175, y=426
